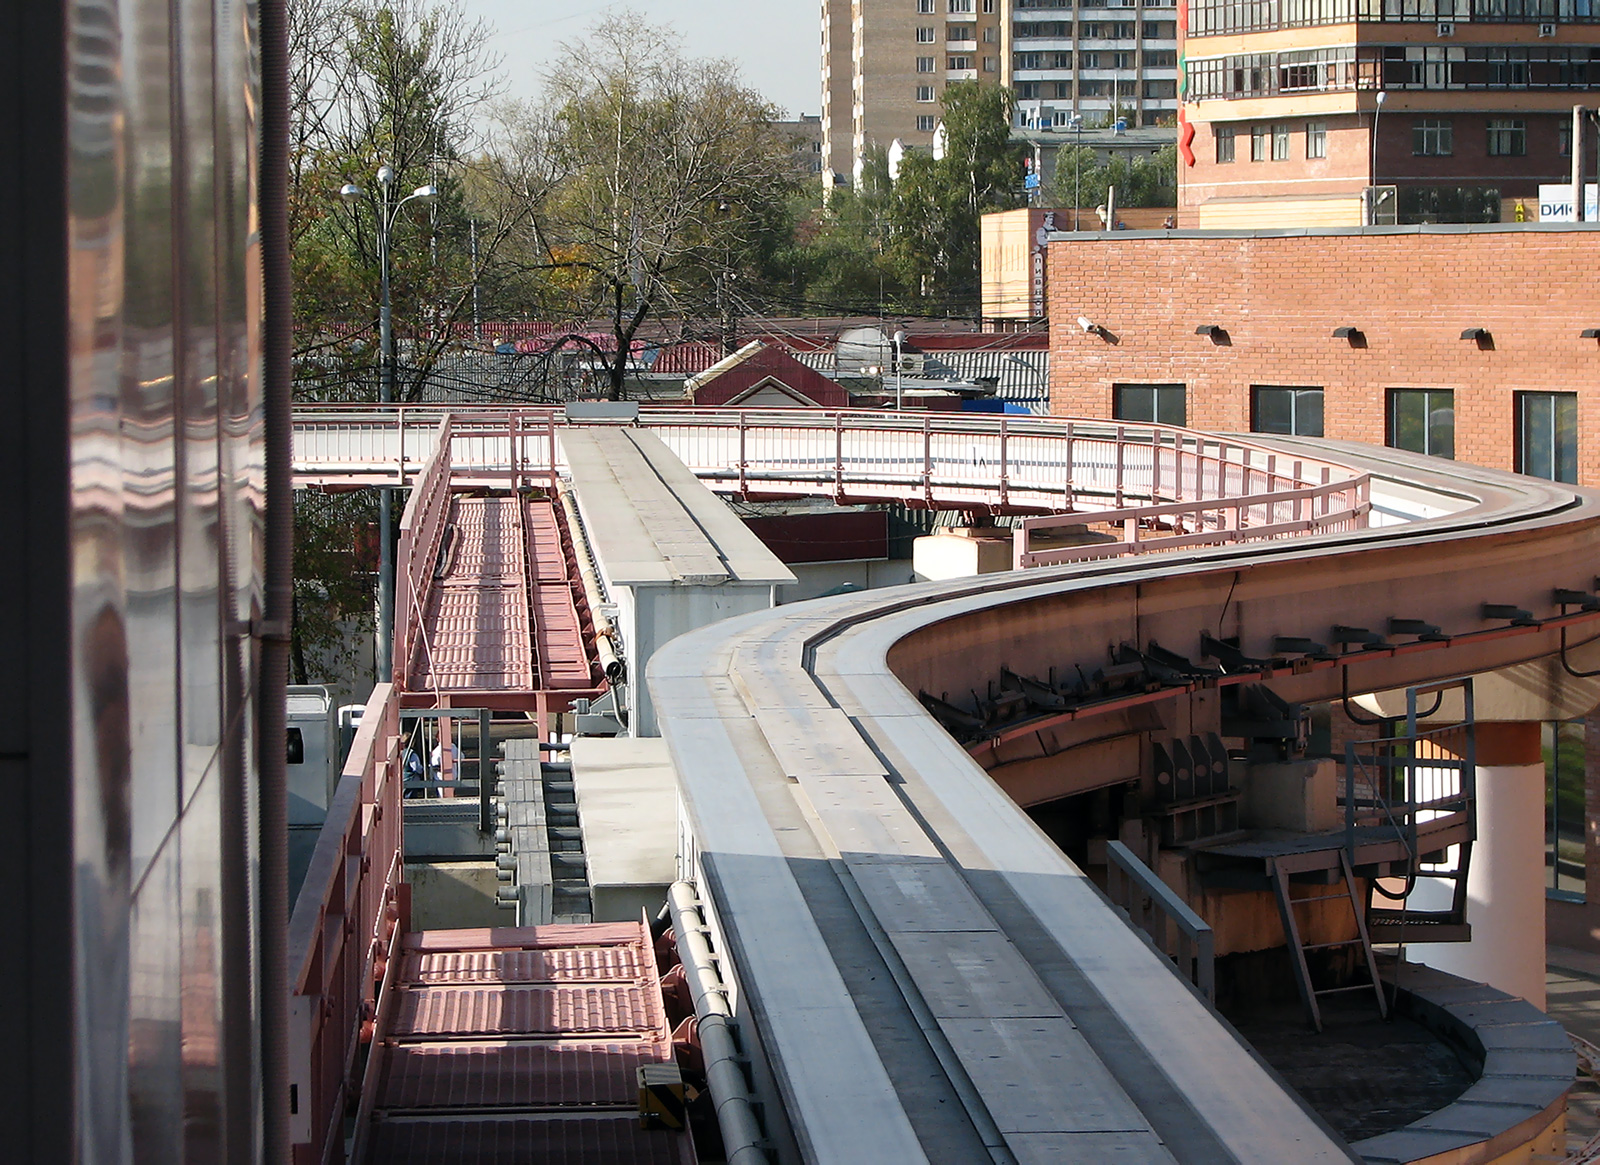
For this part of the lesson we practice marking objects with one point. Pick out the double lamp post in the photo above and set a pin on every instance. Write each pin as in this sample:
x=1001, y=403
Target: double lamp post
x=387, y=216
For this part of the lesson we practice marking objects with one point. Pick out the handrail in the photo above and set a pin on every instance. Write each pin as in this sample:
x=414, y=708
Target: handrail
x=954, y=461
x=342, y=932
x=1195, y=938
x=421, y=535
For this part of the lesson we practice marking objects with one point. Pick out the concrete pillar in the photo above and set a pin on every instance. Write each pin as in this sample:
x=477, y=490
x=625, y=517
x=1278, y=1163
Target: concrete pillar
x=1505, y=884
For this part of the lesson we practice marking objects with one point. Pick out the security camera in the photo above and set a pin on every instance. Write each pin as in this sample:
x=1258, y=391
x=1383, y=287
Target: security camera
x=1085, y=323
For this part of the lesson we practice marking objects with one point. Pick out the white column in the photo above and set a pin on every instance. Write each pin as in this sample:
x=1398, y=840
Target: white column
x=1505, y=888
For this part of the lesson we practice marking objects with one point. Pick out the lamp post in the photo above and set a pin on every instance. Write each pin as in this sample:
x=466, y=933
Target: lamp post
x=387, y=217
x=1372, y=193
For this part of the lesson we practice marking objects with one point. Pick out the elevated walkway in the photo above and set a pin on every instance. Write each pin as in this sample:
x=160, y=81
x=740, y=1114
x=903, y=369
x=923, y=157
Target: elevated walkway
x=522, y=1044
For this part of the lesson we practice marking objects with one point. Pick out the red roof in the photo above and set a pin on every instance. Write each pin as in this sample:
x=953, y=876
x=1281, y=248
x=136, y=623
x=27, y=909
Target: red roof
x=764, y=371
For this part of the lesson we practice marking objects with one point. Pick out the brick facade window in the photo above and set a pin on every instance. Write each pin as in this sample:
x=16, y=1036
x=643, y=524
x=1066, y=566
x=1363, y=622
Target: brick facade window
x=1432, y=138
x=925, y=64
x=925, y=93
x=1280, y=143
x=1423, y=420
x=1547, y=435
x=927, y=35
x=926, y=123
x=1258, y=143
x=1224, y=138
x=1316, y=139
x=1160, y=403
x=1508, y=137
x=1292, y=410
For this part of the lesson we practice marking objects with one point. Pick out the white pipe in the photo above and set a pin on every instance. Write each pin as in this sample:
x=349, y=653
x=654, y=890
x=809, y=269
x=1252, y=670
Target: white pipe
x=741, y=1133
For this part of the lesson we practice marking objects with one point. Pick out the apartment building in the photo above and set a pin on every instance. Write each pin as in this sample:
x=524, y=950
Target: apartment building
x=885, y=63
x=1454, y=110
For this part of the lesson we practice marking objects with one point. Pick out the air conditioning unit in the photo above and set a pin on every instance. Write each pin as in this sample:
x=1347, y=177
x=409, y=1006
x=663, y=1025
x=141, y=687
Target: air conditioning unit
x=1447, y=28
x=1547, y=30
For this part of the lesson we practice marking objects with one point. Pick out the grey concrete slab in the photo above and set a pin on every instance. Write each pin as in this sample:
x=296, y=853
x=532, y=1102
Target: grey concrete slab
x=909, y=896
x=863, y=817
x=627, y=794
x=1480, y=1120
x=817, y=740
x=965, y=974
x=1041, y=1076
x=1406, y=1145
x=1112, y=1148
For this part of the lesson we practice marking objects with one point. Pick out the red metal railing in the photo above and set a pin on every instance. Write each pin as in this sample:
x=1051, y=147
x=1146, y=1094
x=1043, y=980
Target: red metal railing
x=342, y=934
x=955, y=461
x=421, y=534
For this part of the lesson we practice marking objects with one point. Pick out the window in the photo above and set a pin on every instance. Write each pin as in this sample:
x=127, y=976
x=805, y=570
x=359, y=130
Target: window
x=991, y=64
x=1316, y=139
x=961, y=32
x=925, y=93
x=1280, y=143
x=1293, y=411
x=926, y=35
x=959, y=7
x=1564, y=139
x=1547, y=435
x=1029, y=60
x=1224, y=138
x=1061, y=60
x=1563, y=746
x=1088, y=60
x=1432, y=139
x=1508, y=137
x=1423, y=420
x=1122, y=60
x=958, y=63
x=926, y=122
x=991, y=35
x=925, y=64
x=1258, y=143
x=1064, y=93
x=1161, y=403
x=925, y=7
x=1026, y=91
x=988, y=7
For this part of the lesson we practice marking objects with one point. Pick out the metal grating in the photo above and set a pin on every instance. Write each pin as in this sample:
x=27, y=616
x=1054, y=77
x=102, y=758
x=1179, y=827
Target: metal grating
x=586, y=963
x=564, y=1140
x=516, y=1075
x=497, y=1010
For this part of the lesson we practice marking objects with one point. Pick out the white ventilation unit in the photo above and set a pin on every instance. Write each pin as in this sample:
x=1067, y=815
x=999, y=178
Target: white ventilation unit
x=1547, y=29
x=1447, y=28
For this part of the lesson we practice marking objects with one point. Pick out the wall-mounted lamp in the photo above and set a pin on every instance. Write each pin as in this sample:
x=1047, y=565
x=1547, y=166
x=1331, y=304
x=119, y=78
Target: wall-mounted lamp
x=1590, y=334
x=1091, y=328
x=1479, y=334
x=1217, y=333
x=1354, y=335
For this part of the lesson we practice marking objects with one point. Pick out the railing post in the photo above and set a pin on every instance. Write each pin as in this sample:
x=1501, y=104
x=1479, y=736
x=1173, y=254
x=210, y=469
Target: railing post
x=1004, y=498
x=1066, y=489
x=1155, y=465
x=743, y=432
x=550, y=432
x=1121, y=432
x=927, y=460
x=838, y=458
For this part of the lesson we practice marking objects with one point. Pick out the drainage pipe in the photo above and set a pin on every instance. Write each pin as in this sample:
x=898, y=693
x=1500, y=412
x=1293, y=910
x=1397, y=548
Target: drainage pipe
x=604, y=630
x=730, y=1094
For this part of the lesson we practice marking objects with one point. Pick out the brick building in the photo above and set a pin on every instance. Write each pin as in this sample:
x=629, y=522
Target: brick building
x=1477, y=342
x=1470, y=105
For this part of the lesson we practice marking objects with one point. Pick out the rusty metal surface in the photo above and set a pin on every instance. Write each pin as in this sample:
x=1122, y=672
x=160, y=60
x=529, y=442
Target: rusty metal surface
x=527, y=938
x=568, y=1140
x=517, y=1075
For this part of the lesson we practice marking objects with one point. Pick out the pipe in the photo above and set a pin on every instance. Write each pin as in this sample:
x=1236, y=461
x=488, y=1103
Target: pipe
x=730, y=1094
x=605, y=631
x=271, y=695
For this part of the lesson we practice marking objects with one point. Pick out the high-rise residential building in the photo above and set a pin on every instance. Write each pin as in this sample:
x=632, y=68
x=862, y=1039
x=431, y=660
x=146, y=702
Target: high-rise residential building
x=886, y=62
x=1462, y=107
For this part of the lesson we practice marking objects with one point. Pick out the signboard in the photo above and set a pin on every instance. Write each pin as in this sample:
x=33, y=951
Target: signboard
x=1041, y=234
x=1555, y=203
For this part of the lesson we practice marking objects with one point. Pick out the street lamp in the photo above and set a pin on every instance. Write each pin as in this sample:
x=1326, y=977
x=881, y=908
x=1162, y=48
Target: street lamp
x=387, y=217
x=1372, y=194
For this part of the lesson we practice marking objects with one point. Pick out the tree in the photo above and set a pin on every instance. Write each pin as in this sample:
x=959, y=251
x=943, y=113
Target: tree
x=648, y=182
x=1151, y=180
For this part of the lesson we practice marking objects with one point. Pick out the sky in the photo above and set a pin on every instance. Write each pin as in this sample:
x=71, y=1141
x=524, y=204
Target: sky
x=777, y=44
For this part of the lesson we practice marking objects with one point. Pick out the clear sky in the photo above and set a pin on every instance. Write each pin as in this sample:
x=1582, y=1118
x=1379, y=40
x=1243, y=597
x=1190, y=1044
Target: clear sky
x=777, y=44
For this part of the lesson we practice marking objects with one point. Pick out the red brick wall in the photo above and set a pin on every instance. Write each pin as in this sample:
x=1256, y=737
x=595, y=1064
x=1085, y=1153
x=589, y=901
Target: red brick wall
x=1412, y=293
